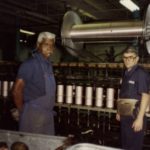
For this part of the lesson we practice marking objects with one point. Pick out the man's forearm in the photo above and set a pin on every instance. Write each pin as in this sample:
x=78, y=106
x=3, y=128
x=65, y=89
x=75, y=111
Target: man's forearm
x=143, y=105
x=18, y=100
x=18, y=93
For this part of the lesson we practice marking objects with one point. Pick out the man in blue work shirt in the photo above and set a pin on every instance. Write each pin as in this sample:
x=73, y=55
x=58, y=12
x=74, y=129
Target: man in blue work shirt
x=134, y=93
x=34, y=89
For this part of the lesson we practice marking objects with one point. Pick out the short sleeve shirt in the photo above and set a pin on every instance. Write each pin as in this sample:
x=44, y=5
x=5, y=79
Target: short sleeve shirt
x=134, y=83
x=32, y=73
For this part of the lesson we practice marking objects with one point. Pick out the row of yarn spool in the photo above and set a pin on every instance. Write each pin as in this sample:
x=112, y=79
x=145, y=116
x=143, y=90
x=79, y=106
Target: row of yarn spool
x=5, y=88
x=86, y=95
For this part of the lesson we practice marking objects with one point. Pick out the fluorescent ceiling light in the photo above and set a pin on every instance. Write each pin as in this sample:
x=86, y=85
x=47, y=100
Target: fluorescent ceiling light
x=130, y=5
x=26, y=32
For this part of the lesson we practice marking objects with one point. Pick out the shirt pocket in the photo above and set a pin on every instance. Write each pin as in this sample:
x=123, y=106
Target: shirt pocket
x=132, y=88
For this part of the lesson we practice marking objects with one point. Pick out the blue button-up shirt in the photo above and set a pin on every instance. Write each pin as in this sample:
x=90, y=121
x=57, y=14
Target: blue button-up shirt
x=134, y=83
x=32, y=73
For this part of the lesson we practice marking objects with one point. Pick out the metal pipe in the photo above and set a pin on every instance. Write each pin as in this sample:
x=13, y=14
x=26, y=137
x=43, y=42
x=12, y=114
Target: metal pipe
x=74, y=33
x=92, y=32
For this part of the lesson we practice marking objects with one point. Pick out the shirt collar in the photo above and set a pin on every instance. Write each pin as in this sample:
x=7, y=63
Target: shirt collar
x=131, y=71
x=41, y=57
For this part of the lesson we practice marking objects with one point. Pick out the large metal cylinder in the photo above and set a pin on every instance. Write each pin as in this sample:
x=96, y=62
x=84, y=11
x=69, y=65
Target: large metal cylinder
x=74, y=33
x=95, y=32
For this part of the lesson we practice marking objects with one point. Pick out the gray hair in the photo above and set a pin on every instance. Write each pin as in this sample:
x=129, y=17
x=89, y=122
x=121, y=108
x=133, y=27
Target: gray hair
x=131, y=49
x=45, y=35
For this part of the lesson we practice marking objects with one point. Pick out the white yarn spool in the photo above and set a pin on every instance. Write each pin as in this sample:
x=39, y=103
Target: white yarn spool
x=69, y=94
x=88, y=96
x=99, y=97
x=5, y=89
x=110, y=98
x=11, y=83
x=60, y=93
x=78, y=95
x=109, y=104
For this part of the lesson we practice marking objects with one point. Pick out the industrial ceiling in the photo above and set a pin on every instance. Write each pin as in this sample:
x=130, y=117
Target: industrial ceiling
x=47, y=15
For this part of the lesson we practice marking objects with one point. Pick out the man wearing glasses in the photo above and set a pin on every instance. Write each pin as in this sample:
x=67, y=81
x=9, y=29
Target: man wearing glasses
x=133, y=101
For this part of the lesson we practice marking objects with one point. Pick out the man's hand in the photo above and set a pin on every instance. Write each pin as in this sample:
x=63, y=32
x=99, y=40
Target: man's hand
x=138, y=124
x=15, y=114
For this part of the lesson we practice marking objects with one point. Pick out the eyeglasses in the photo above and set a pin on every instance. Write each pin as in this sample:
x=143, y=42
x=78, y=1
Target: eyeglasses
x=129, y=58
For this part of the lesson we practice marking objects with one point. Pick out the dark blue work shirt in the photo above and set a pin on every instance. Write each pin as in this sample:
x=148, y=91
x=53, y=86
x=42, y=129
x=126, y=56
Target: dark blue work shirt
x=32, y=73
x=134, y=83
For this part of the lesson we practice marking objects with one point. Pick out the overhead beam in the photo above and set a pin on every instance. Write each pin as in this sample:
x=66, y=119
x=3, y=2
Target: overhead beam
x=25, y=13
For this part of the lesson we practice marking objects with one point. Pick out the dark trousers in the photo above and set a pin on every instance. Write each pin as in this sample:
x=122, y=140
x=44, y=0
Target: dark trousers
x=131, y=140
